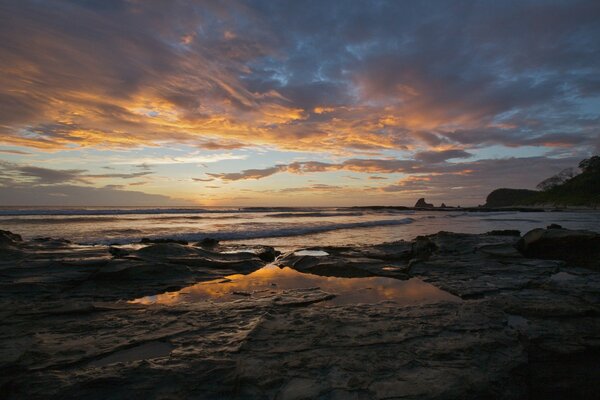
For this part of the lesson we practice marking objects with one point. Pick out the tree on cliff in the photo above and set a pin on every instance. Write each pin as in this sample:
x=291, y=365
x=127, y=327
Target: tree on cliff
x=591, y=164
x=557, y=179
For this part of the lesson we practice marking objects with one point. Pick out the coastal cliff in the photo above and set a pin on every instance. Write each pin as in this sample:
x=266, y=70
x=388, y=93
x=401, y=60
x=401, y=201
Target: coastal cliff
x=577, y=190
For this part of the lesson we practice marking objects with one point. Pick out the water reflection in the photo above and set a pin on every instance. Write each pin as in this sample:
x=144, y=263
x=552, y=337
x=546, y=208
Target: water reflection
x=272, y=281
x=313, y=253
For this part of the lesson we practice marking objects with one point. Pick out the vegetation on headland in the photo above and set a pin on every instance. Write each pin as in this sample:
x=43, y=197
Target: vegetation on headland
x=566, y=188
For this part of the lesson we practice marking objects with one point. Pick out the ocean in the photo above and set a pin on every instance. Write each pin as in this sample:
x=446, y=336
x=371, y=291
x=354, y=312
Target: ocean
x=284, y=228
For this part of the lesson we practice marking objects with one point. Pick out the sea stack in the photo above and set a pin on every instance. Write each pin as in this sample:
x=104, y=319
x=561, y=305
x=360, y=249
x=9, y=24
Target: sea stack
x=422, y=204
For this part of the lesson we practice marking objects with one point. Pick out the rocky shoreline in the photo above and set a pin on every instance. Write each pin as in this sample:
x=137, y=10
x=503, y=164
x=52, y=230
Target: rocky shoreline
x=527, y=325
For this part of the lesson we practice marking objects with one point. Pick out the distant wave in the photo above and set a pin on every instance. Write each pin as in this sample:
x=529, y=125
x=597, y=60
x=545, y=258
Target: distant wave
x=316, y=214
x=146, y=211
x=84, y=211
x=510, y=220
x=267, y=232
x=68, y=219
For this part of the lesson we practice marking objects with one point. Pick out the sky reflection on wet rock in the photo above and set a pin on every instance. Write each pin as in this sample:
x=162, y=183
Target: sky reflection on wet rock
x=271, y=281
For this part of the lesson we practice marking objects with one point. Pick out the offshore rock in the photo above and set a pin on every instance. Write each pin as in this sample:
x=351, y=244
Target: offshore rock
x=422, y=204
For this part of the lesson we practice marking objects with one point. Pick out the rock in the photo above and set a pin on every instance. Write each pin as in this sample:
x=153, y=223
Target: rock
x=554, y=226
x=422, y=204
x=443, y=205
x=165, y=250
x=68, y=330
x=504, y=232
x=268, y=254
x=167, y=240
x=422, y=247
x=387, y=260
x=208, y=242
x=52, y=241
x=118, y=252
x=9, y=238
x=500, y=250
x=576, y=247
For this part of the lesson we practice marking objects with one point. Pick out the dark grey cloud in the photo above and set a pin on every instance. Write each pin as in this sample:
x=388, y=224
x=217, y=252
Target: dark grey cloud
x=40, y=175
x=441, y=156
x=72, y=195
x=131, y=175
x=39, y=186
x=17, y=152
x=19, y=174
x=248, y=174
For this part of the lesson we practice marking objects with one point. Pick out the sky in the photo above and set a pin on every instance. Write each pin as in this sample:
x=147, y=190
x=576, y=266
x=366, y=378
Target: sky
x=292, y=103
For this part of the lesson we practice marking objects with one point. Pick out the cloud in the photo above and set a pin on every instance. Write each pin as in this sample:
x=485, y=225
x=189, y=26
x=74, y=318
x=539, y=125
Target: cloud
x=190, y=159
x=468, y=181
x=26, y=185
x=40, y=175
x=249, y=174
x=20, y=174
x=18, y=152
x=131, y=175
x=318, y=187
x=342, y=79
x=476, y=179
x=203, y=179
x=71, y=195
x=441, y=156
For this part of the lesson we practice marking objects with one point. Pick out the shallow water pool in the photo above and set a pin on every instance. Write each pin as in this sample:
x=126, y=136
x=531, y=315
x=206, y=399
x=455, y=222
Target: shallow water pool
x=272, y=280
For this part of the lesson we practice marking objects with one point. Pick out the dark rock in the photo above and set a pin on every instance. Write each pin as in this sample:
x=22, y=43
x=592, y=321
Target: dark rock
x=51, y=240
x=9, y=238
x=208, y=242
x=504, y=232
x=268, y=254
x=576, y=247
x=554, y=226
x=422, y=247
x=422, y=204
x=152, y=241
x=443, y=205
x=118, y=252
x=532, y=333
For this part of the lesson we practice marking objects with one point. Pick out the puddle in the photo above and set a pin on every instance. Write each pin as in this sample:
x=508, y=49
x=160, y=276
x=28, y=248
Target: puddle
x=273, y=281
x=313, y=253
x=142, y=352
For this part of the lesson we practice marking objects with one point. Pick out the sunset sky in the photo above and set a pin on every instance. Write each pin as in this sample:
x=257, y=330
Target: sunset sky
x=279, y=103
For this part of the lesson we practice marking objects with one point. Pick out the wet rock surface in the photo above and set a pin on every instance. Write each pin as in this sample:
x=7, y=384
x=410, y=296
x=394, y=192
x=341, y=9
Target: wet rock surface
x=526, y=328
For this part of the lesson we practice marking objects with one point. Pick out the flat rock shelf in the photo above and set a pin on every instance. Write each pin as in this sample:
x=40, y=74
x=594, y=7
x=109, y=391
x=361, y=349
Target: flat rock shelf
x=440, y=317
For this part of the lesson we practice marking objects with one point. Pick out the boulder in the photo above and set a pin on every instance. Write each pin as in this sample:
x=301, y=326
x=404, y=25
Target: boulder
x=422, y=247
x=576, y=247
x=207, y=242
x=504, y=232
x=9, y=238
x=166, y=240
x=422, y=204
x=267, y=254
